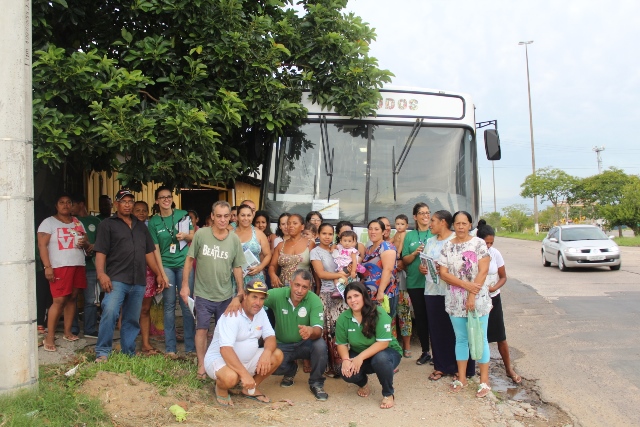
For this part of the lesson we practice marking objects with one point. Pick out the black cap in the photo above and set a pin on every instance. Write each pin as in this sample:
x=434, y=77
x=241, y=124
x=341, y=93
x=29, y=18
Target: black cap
x=123, y=193
x=256, y=285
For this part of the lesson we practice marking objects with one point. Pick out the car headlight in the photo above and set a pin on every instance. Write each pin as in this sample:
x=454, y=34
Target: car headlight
x=614, y=249
x=572, y=250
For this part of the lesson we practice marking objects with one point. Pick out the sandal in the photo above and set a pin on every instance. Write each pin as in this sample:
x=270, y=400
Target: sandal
x=41, y=330
x=364, y=391
x=456, y=386
x=388, y=402
x=483, y=390
x=407, y=354
x=49, y=347
x=149, y=352
x=70, y=338
x=515, y=378
x=171, y=355
x=202, y=377
x=436, y=375
x=223, y=400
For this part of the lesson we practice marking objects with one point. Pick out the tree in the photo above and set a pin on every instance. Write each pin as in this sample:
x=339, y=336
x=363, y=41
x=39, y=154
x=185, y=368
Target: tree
x=628, y=211
x=493, y=219
x=189, y=91
x=550, y=184
x=604, y=194
x=515, y=218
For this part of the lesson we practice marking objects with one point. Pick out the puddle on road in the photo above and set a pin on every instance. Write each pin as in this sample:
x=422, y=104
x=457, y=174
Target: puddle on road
x=509, y=388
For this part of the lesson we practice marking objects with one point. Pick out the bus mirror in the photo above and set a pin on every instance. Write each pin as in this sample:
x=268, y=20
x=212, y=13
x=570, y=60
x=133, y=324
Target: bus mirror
x=492, y=144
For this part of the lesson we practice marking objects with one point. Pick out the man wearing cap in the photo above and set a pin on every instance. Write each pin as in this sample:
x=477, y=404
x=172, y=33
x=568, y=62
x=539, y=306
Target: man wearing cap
x=123, y=249
x=219, y=254
x=299, y=321
x=234, y=354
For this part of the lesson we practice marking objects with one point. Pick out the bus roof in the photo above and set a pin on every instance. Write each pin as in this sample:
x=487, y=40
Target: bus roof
x=407, y=104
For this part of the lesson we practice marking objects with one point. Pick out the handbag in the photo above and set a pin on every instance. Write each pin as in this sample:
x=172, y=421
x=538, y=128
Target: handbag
x=475, y=334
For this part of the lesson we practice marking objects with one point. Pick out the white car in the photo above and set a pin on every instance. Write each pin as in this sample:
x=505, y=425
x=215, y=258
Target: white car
x=580, y=246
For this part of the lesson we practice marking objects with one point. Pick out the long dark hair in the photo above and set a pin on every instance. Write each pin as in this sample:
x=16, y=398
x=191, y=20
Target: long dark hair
x=369, y=309
x=279, y=232
x=485, y=229
x=265, y=215
x=155, y=209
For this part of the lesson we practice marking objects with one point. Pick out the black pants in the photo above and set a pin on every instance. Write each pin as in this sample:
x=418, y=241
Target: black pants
x=420, y=324
x=43, y=298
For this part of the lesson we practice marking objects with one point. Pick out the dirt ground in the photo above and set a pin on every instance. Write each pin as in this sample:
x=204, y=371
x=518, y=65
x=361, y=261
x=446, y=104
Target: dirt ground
x=131, y=402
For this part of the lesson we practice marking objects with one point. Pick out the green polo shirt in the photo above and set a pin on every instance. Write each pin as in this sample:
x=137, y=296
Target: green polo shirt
x=90, y=224
x=413, y=239
x=309, y=312
x=349, y=331
x=163, y=232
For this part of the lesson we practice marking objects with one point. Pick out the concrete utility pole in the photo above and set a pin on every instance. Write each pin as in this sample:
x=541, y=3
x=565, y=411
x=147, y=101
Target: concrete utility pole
x=533, y=153
x=598, y=150
x=18, y=336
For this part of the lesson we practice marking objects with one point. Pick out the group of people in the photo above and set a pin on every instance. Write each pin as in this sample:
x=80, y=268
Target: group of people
x=308, y=291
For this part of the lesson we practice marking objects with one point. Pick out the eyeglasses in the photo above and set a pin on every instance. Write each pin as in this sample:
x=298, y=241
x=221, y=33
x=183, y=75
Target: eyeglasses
x=165, y=197
x=424, y=213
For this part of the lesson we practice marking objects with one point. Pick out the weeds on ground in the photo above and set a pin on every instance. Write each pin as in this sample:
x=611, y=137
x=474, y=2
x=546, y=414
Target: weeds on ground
x=523, y=235
x=627, y=241
x=57, y=400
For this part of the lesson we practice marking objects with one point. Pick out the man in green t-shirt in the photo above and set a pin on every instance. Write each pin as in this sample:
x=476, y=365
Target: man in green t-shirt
x=92, y=291
x=299, y=321
x=218, y=253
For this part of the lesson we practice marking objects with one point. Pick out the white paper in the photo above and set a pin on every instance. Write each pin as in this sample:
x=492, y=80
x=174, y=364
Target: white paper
x=430, y=264
x=183, y=227
x=192, y=305
x=252, y=261
x=329, y=210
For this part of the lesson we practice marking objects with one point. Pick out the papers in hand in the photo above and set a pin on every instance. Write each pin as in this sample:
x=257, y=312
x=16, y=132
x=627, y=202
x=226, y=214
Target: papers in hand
x=192, y=304
x=252, y=261
x=430, y=264
x=183, y=227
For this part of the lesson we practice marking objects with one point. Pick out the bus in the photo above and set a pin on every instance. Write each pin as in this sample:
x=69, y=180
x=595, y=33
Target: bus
x=420, y=146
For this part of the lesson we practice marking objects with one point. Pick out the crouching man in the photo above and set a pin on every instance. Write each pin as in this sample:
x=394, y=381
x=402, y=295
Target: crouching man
x=234, y=356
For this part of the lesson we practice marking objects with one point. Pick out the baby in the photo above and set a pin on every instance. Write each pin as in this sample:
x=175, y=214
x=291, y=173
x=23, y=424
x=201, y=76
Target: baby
x=346, y=253
x=310, y=231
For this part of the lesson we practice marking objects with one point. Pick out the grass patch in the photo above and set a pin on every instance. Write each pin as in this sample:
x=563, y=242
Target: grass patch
x=57, y=400
x=627, y=241
x=523, y=236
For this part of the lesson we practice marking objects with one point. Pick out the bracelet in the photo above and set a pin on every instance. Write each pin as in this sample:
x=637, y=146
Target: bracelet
x=47, y=266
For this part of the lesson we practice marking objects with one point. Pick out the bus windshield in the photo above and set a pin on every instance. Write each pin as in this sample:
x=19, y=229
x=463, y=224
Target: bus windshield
x=357, y=184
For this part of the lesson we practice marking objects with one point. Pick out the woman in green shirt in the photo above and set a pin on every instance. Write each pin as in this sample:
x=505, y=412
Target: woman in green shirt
x=366, y=328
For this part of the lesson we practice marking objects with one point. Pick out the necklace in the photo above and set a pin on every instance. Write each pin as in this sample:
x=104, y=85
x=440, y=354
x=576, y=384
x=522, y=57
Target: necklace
x=173, y=224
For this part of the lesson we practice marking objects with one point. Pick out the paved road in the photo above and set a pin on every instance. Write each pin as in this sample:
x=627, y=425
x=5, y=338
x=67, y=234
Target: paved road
x=577, y=333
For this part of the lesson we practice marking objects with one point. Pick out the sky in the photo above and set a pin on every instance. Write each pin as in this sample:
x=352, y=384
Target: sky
x=584, y=73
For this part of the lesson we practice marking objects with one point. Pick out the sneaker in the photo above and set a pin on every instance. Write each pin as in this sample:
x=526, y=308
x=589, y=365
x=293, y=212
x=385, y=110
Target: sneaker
x=287, y=381
x=424, y=358
x=93, y=335
x=319, y=393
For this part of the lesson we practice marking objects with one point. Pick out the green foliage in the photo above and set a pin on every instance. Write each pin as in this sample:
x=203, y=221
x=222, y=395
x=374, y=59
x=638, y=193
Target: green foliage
x=524, y=235
x=189, y=91
x=515, y=218
x=493, y=219
x=609, y=195
x=550, y=184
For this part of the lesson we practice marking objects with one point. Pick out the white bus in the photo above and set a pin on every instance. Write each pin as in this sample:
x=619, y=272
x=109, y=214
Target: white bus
x=420, y=147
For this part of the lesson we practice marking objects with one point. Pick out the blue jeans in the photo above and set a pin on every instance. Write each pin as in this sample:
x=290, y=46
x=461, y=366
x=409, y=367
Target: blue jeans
x=462, y=338
x=316, y=350
x=129, y=297
x=169, y=297
x=382, y=364
x=91, y=303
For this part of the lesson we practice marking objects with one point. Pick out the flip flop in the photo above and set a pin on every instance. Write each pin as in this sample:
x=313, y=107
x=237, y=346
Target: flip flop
x=407, y=354
x=365, y=391
x=202, y=377
x=385, y=402
x=149, y=352
x=49, y=347
x=436, y=375
x=457, y=386
x=71, y=338
x=256, y=397
x=515, y=378
x=222, y=400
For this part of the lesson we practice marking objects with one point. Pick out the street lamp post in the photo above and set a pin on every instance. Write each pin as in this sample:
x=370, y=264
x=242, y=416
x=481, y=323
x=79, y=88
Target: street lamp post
x=533, y=154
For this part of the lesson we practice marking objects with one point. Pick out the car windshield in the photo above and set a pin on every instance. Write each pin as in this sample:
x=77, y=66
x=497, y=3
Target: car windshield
x=583, y=233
